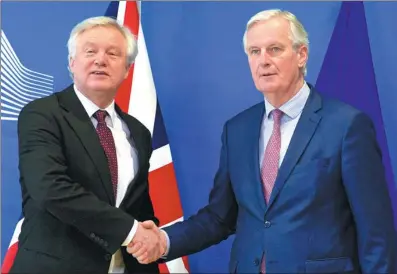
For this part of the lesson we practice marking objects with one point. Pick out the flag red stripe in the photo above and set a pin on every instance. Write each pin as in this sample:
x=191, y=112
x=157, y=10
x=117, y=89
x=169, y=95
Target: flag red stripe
x=163, y=268
x=9, y=258
x=131, y=17
x=165, y=195
x=186, y=263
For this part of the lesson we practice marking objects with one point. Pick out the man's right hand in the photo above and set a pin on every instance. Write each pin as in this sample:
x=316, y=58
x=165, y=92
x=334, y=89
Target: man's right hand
x=148, y=244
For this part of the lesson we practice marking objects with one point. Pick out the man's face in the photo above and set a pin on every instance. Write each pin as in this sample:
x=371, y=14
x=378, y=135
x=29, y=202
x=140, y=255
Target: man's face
x=273, y=62
x=100, y=62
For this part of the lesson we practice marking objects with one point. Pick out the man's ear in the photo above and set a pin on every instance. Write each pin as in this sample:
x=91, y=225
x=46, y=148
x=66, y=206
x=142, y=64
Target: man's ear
x=71, y=64
x=302, y=56
x=127, y=72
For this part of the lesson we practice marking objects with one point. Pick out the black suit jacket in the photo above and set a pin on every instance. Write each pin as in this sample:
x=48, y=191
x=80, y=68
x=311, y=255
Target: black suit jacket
x=71, y=224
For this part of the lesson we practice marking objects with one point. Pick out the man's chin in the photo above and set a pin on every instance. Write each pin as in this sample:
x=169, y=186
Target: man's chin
x=268, y=88
x=101, y=88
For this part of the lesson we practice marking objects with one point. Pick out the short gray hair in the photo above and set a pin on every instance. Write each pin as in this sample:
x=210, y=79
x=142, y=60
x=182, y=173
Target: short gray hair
x=298, y=32
x=103, y=21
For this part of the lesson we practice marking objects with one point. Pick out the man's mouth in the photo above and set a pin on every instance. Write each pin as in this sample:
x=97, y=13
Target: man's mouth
x=267, y=74
x=99, y=73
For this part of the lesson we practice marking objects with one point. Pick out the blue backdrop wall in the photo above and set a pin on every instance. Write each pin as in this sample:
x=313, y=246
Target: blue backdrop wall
x=202, y=79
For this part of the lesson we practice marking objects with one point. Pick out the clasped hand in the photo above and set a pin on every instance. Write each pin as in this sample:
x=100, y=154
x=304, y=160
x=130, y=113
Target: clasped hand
x=148, y=244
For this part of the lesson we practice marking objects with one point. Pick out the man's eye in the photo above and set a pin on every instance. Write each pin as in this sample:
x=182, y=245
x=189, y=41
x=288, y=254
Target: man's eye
x=255, y=51
x=275, y=50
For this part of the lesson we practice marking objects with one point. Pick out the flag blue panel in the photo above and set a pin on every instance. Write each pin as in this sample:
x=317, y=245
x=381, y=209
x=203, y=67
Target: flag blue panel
x=382, y=27
x=159, y=134
x=348, y=74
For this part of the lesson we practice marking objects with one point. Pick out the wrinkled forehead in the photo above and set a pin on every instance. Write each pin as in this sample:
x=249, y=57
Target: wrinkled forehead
x=107, y=33
x=272, y=31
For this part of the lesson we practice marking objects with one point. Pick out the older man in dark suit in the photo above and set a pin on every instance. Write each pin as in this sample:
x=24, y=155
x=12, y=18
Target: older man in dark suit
x=84, y=165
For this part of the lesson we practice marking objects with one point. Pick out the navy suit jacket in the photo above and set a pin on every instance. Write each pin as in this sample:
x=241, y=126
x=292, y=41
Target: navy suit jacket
x=329, y=212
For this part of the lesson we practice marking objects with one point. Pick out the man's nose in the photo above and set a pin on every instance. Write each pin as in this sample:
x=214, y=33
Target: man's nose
x=100, y=59
x=264, y=58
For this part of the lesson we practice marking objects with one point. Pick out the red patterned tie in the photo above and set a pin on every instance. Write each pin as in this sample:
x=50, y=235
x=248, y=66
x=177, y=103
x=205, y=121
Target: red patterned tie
x=272, y=156
x=107, y=142
x=270, y=164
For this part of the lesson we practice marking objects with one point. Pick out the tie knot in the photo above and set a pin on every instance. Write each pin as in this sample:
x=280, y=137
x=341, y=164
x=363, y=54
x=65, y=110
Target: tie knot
x=277, y=114
x=100, y=115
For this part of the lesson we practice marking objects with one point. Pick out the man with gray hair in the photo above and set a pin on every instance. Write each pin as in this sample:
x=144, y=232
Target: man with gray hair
x=84, y=165
x=300, y=181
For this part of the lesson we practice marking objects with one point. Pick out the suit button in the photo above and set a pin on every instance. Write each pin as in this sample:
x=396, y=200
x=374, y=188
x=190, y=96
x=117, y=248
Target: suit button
x=97, y=239
x=92, y=235
x=108, y=257
x=105, y=244
x=256, y=262
x=268, y=224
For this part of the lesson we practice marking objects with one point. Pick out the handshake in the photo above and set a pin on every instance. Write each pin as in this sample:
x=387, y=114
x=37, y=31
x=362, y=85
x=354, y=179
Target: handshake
x=149, y=243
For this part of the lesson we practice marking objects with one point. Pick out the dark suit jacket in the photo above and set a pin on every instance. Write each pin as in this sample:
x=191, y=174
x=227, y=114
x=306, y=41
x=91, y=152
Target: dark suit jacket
x=71, y=224
x=329, y=212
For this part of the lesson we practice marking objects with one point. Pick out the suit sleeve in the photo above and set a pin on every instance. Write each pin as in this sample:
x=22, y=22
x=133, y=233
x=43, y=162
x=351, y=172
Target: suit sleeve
x=367, y=191
x=211, y=224
x=44, y=176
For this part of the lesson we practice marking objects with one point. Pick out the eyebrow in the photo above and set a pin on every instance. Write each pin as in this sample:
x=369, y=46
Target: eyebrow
x=91, y=44
x=270, y=45
x=87, y=44
x=276, y=44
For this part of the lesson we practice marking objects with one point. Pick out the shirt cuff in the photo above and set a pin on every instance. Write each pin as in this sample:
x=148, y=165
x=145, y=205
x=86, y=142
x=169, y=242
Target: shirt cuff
x=167, y=250
x=131, y=234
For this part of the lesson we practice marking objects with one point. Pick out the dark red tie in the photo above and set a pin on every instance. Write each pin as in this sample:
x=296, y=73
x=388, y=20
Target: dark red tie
x=107, y=142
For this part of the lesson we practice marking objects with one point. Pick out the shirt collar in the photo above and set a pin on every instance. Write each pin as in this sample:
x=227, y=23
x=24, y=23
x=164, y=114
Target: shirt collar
x=293, y=107
x=91, y=108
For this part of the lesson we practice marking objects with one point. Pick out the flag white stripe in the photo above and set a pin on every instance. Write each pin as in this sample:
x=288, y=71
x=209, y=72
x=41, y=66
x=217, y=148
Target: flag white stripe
x=176, y=266
x=173, y=222
x=143, y=101
x=121, y=12
x=160, y=157
x=17, y=231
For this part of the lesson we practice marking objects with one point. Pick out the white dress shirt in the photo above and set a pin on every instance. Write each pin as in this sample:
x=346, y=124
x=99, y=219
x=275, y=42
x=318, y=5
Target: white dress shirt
x=292, y=110
x=127, y=164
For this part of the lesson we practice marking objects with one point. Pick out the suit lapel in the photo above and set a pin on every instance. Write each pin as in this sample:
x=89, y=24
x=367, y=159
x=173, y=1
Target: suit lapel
x=303, y=133
x=80, y=122
x=254, y=125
